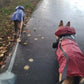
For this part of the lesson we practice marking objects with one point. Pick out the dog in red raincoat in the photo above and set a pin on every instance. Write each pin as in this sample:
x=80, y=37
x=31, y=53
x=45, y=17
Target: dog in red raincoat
x=75, y=63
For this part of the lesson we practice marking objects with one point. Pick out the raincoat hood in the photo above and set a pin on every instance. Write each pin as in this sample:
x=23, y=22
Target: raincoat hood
x=65, y=31
x=19, y=7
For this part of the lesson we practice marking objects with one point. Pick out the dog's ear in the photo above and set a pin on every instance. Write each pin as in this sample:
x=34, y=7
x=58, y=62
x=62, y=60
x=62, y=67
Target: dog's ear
x=61, y=23
x=68, y=24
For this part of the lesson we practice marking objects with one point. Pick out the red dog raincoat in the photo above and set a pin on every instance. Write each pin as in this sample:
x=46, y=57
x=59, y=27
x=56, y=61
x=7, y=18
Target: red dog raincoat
x=76, y=57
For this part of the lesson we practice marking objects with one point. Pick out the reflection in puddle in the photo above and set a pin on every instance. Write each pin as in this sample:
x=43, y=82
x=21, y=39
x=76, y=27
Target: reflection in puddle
x=79, y=4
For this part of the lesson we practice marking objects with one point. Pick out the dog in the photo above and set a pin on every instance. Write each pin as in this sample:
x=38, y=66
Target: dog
x=75, y=70
x=18, y=18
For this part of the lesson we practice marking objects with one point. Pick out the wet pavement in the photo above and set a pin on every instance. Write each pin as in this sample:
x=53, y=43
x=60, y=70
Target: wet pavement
x=36, y=60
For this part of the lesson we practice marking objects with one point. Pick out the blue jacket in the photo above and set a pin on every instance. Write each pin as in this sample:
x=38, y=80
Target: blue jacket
x=18, y=15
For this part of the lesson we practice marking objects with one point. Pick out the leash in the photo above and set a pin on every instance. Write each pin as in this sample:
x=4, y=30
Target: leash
x=64, y=74
x=14, y=54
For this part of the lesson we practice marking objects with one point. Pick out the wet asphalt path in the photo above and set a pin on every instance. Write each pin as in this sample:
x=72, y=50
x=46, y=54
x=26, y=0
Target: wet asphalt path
x=38, y=36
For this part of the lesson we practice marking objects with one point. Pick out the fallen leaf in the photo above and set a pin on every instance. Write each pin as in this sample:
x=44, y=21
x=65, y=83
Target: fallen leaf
x=8, y=37
x=26, y=67
x=24, y=31
x=29, y=35
x=1, y=55
x=25, y=43
x=4, y=51
x=31, y=60
x=1, y=47
x=35, y=38
x=18, y=40
x=28, y=31
x=0, y=38
x=4, y=48
x=42, y=37
x=2, y=62
x=3, y=44
x=10, y=54
x=3, y=66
